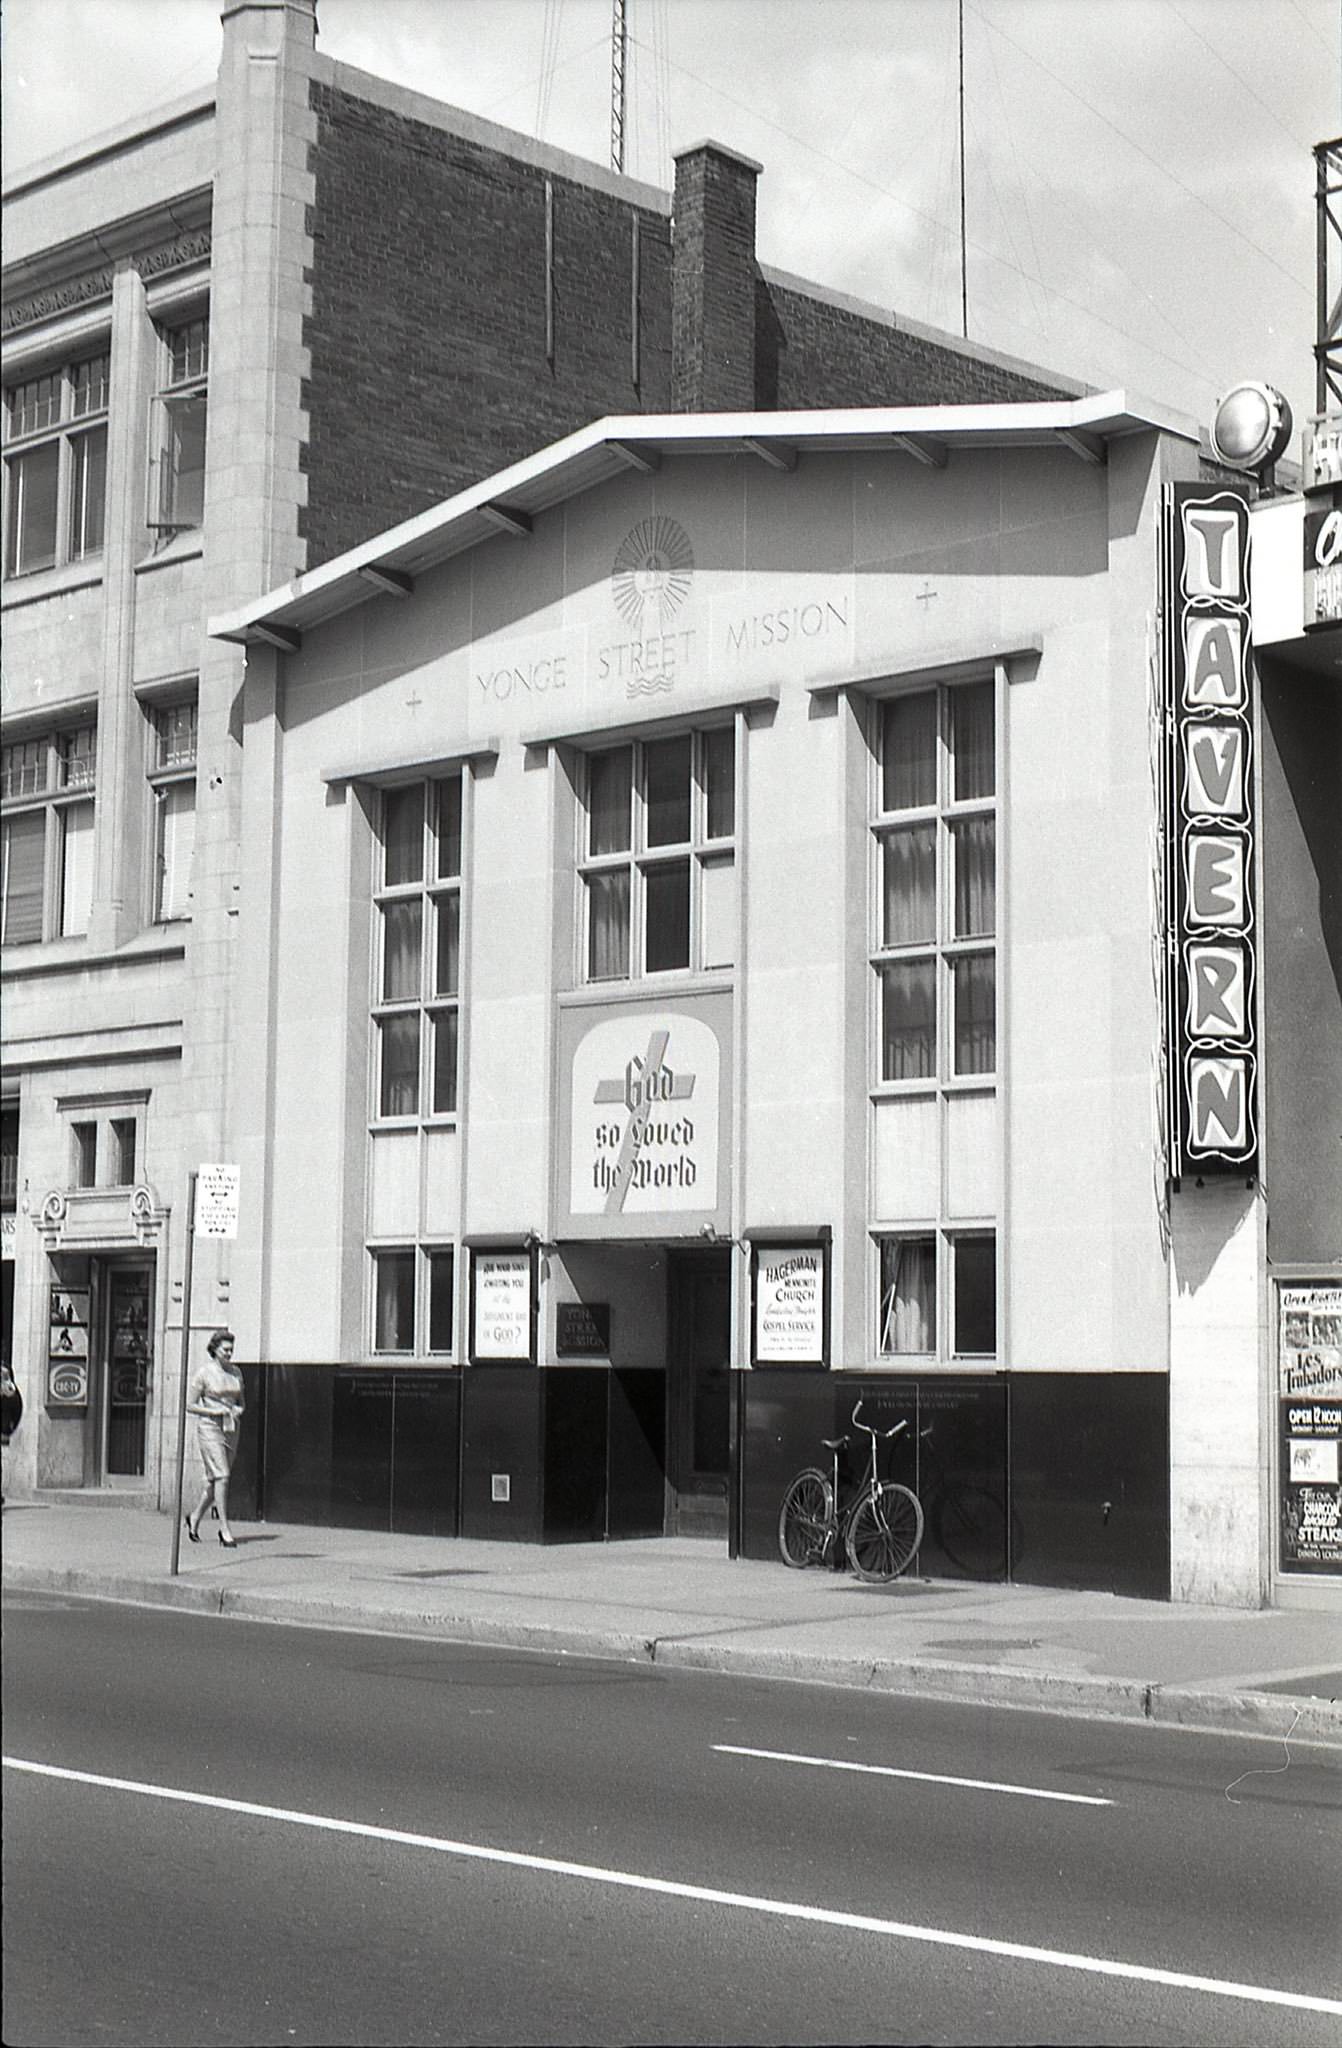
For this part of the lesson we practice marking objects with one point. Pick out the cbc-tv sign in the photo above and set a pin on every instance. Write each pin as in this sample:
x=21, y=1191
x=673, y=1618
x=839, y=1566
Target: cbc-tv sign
x=1210, y=835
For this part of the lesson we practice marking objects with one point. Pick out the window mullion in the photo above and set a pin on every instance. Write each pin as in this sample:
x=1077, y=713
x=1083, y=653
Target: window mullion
x=51, y=870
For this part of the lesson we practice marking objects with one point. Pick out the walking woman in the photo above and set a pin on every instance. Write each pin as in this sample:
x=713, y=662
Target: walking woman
x=215, y=1399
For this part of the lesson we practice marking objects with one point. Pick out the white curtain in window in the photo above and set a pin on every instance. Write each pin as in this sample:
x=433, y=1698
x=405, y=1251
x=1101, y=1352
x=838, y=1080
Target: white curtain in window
x=76, y=868
x=403, y=836
x=908, y=1295
x=176, y=849
x=394, y=1328
x=608, y=932
x=972, y=740
x=975, y=878
x=909, y=752
x=910, y=886
x=401, y=941
x=908, y=1020
x=609, y=782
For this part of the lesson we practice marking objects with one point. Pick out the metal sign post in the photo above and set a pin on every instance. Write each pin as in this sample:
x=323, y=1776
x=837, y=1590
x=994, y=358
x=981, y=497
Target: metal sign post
x=185, y=1366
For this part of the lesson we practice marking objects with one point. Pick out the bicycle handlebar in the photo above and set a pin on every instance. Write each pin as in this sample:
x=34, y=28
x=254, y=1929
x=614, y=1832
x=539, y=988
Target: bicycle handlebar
x=884, y=1434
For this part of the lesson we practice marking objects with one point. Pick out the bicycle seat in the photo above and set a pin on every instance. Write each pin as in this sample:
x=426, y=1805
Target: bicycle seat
x=834, y=1443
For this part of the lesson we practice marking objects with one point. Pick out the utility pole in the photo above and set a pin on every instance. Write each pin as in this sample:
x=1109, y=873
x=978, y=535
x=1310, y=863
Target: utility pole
x=619, y=43
x=964, y=274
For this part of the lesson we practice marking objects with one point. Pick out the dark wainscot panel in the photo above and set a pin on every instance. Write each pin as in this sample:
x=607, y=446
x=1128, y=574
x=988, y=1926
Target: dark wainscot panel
x=636, y=1452
x=361, y=1450
x=426, y=1423
x=1090, y=1491
x=953, y=1453
x=575, y=1453
x=501, y=1423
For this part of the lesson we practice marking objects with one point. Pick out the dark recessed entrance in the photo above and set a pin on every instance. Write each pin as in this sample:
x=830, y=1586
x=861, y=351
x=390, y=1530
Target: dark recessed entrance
x=698, y=1431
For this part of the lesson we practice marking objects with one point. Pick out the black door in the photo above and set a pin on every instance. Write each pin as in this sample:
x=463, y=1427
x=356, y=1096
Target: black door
x=699, y=1343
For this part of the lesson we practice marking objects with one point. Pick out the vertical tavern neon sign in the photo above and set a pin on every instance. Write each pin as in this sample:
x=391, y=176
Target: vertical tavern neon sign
x=1209, y=813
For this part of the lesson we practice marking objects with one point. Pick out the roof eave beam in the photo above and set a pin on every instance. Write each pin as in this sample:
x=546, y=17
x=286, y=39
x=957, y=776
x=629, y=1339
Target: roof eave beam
x=508, y=519
x=1090, y=447
x=648, y=460
x=392, y=582
x=286, y=638
x=924, y=448
x=778, y=454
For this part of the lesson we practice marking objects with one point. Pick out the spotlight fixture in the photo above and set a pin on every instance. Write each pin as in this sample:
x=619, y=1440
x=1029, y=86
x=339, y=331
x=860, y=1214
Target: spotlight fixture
x=1251, y=426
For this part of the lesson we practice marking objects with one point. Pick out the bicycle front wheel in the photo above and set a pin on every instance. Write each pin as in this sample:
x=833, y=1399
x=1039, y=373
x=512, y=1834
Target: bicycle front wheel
x=883, y=1533
x=806, y=1519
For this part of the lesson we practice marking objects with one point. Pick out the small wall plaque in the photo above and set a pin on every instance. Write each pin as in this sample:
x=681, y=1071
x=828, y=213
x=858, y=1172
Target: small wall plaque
x=582, y=1329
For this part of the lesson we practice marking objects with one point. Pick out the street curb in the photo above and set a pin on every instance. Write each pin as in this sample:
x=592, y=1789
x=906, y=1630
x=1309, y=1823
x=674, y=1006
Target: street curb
x=1296, y=1718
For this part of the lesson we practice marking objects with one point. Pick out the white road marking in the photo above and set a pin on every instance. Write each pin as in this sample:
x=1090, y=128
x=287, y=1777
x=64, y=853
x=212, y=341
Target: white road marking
x=782, y=1909
x=831, y=1763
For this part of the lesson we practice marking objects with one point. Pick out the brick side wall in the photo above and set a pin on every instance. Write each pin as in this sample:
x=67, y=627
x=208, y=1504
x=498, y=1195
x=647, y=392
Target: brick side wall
x=427, y=330
x=808, y=353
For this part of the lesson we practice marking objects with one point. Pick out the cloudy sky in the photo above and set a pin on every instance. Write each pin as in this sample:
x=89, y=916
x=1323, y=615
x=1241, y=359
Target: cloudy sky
x=1140, y=184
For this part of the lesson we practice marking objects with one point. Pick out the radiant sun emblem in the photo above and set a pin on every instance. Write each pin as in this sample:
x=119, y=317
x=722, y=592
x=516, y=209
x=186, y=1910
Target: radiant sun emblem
x=651, y=575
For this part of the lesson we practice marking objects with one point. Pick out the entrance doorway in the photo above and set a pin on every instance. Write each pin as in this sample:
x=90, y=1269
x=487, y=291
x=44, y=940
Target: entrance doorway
x=100, y=1361
x=127, y=1340
x=698, y=1433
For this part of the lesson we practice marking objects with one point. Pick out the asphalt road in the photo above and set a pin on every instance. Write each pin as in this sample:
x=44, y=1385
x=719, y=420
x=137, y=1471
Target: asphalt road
x=221, y=1831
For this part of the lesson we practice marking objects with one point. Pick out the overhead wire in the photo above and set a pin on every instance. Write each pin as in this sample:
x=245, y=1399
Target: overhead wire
x=1309, y=26
x=1009, y=129
x=1140, y=149
x=550, y=35
x=1063, y=197
x=993, y=256
x=1238, y=76
x=522, y=85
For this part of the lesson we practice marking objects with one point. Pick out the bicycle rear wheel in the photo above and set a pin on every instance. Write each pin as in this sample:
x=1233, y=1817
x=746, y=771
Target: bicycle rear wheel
x=806, y=1519
x=883, y=1533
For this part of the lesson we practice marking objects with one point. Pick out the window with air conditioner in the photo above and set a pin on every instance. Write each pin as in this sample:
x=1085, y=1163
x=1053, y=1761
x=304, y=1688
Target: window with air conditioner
x=177, y=473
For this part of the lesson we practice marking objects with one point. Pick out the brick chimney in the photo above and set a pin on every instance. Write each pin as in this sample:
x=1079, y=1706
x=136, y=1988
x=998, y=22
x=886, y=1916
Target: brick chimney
x=713, y=281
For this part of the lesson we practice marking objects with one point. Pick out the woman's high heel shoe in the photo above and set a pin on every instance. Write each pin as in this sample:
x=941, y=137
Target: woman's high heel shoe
x=192, y=1535
x=229, y=1542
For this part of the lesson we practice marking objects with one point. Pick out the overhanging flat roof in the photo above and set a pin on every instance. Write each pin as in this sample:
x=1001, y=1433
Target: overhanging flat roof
x=511, y=500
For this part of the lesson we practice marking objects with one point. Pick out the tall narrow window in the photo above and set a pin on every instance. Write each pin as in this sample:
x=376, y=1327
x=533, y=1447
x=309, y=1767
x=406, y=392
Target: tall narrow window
x=177, y=494
x=123, y=1131
x=935, y=828
x=394, y=1301
x=172, y=780
x=417, y=973
x=46, y=840
x=84, y=1155
x=908, y=1296
x=657, y=858
x=56, y=466
x=934, y=963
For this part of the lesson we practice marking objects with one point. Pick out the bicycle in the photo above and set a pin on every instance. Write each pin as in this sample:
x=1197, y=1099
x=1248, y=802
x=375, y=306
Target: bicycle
x=880, y=1525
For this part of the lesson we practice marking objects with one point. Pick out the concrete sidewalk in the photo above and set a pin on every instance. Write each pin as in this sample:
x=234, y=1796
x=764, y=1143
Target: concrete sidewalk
x=686, y=1605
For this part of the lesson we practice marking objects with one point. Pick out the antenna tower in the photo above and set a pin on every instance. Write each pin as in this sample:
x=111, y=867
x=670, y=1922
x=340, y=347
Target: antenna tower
x=1328, y=326
x=619, y=43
